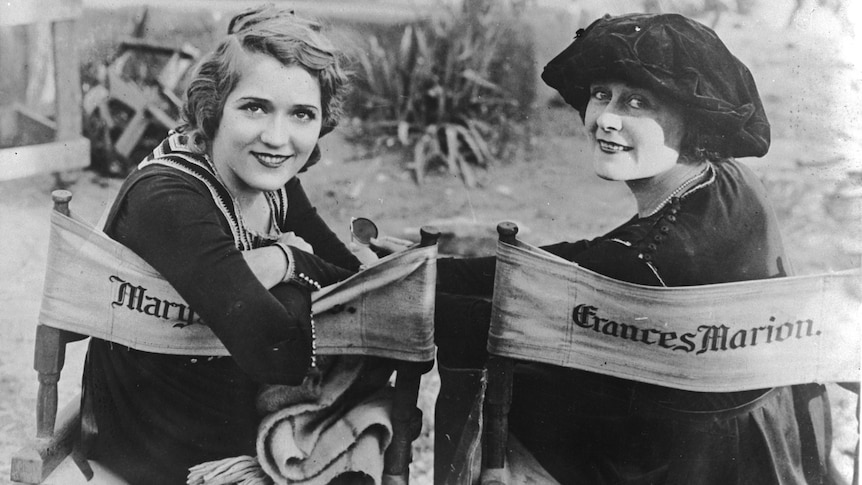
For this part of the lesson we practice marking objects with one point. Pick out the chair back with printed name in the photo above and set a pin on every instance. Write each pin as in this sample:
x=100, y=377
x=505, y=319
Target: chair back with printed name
x=95, y=287
x=712, y=338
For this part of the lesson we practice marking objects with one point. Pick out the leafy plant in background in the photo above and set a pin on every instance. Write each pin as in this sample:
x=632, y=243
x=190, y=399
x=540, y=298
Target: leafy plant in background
x=441, y=89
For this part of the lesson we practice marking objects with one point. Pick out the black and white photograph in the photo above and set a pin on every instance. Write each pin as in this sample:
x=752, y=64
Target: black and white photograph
x=430, y=242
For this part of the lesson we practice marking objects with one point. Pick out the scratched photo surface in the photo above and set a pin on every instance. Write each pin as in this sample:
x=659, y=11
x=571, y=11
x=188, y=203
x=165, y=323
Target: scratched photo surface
x=804, y=56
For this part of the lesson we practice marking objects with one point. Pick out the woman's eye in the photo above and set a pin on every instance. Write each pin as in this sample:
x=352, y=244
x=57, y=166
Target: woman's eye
x=253, y=108
x=601, y=95
x=637, y=102
x=305, y=114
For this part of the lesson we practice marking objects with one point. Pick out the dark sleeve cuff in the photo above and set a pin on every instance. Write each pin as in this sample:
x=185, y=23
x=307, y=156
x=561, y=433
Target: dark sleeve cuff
x=567, y=250
x=312, y=272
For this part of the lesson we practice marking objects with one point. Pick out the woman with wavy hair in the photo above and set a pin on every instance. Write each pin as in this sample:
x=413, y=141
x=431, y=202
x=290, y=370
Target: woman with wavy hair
x=217, y=209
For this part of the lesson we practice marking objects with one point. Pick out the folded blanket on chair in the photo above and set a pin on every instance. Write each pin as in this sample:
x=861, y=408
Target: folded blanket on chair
x=336, y=422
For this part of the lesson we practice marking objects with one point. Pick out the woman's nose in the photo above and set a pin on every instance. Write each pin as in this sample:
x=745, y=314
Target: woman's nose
x=609, y=120
x=276, y=132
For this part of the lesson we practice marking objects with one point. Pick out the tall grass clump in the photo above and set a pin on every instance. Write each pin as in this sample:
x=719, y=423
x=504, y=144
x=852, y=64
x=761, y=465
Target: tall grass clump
x=451, y=89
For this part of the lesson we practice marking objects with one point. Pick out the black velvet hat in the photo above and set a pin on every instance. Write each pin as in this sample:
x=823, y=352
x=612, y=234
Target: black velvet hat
x=677, y=58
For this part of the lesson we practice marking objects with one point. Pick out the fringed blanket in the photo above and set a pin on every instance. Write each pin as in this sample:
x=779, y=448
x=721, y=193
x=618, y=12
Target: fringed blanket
x=336, y=424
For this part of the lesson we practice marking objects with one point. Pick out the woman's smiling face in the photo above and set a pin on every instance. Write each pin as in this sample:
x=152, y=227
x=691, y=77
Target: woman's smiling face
x=269, y=126
x=634, y=134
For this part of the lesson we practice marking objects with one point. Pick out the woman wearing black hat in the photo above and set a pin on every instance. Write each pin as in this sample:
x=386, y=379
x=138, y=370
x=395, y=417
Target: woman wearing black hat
x=667, y=108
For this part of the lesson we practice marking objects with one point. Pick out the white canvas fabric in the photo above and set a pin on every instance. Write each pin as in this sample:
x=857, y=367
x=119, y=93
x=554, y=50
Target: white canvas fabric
x=712, y=338
x=98, y=287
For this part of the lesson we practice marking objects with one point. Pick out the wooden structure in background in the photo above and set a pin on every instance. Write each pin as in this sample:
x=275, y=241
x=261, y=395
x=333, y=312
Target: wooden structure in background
x=33, y=137
x=149, y=103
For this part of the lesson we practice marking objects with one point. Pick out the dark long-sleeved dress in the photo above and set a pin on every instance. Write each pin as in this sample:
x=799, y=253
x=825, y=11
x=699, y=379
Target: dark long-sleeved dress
x=589, y=428
x=150, y=416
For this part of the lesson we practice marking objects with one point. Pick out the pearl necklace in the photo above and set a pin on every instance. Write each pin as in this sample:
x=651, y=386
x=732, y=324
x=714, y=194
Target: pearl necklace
x=678, y=191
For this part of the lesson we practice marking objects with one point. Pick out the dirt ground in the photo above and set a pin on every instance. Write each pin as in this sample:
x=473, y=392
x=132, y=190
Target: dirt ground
x=810, y=87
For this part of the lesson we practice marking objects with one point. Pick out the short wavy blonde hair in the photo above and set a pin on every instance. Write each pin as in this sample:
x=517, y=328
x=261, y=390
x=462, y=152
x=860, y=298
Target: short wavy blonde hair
x=276, y=32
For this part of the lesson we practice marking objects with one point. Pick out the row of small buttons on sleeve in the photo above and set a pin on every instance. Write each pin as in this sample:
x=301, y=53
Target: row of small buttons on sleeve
x=309, y=281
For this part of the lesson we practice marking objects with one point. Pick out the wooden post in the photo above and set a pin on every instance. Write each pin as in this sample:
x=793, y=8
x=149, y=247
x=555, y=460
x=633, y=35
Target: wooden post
x=507, y=232
x=48, y=361
x=50, y=353
x=429, y=236
x=406, y=417
x=498, y=398
x=61, y=200
x=35, y=144
x=406, y=421
x=67, y=80
x=55, y=434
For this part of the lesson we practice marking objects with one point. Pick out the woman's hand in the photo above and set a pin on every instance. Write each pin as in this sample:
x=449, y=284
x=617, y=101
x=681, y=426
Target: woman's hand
x=363, y=253
x=292, y=239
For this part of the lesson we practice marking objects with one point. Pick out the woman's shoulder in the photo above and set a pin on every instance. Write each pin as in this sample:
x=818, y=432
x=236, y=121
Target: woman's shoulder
x=155, y=181
x=153, y=190
x=724, y=230
x=731, y=199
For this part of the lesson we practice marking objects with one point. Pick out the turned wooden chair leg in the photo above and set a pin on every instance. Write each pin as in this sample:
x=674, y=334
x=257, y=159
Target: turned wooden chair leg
x=48, y=362
x=55, y=434
x=50, y=354
x=406, y=421
x=498, y=401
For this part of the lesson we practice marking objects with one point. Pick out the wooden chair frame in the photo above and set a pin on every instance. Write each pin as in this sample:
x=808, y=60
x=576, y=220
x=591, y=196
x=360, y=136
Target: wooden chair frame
x=498, y=400
x=57, y=434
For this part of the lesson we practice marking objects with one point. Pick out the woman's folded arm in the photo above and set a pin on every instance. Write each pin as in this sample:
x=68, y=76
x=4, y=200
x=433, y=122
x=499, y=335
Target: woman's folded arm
x=171, y=224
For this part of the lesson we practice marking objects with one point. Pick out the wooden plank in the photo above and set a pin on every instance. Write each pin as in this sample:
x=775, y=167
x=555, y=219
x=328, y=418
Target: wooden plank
x=32, y=128
x=35, y=116
x=36, y=460
x=146, y=45
x=23, y=161
x=129, y=93
x=13, y=59
x=8, y=125
x=21, y=12
x=67, y=80
x=162, y=118
x=132, y=134
x=41, y=92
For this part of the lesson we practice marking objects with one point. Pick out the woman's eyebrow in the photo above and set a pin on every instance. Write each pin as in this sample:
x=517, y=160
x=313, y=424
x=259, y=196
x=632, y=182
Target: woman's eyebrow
x=308, y=106
x=256, y=99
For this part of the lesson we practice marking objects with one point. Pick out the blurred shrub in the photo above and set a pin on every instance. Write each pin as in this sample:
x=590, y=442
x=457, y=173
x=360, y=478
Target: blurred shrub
x=453, y=89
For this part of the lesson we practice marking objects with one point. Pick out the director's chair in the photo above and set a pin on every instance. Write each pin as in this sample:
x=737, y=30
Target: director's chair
x=358, y=316
x=545, y=309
